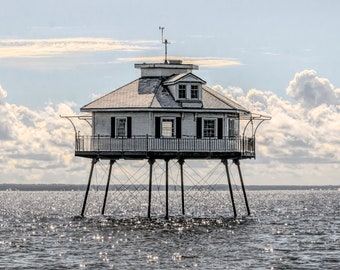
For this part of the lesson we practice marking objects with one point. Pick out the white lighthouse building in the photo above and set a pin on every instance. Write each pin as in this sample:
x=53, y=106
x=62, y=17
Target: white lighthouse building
x=167, y=113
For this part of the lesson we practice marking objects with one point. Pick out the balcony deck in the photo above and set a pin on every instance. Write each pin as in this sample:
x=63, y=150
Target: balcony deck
x=164, y=148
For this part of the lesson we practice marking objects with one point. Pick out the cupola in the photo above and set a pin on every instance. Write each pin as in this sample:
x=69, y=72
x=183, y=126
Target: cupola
x=169, y=68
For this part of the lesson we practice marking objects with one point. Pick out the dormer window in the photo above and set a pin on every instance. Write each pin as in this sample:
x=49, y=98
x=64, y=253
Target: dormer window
x=194, y=91
x=182, y=91
x=186, y=88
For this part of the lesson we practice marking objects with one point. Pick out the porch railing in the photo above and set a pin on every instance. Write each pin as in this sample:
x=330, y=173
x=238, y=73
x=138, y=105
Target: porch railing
x=150, y=144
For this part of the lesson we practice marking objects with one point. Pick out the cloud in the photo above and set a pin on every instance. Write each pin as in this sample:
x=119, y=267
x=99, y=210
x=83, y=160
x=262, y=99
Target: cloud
x=211, y=62
x=300, y=145
x=3, y=95
x=19, y=48
x=311, y=90
x=230, y=92
x=36, y=144
x=299, y=133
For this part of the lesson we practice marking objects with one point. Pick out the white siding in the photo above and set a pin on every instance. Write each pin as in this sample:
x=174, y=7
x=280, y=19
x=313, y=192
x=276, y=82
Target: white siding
x=188, y=125
x=143, y=123
x=139, y=122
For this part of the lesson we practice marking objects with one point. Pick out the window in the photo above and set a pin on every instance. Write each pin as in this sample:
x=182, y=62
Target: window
x=182, y=91
x=209, y=128
x=194, y=91
x=168, y=128
x=121, y=127
x=233, y=127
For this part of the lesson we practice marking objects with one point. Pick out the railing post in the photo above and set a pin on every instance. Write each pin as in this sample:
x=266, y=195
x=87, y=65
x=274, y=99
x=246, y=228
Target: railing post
x=147, y=142
x=225, y=143
x=254, y=149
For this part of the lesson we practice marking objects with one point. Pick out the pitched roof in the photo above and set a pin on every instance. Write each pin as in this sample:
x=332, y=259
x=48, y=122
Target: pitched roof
x=137, y=94
x=214, y=100
x=149, y=93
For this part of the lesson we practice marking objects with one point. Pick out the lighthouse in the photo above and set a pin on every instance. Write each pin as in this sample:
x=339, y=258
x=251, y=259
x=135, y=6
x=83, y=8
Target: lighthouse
x=167, y=113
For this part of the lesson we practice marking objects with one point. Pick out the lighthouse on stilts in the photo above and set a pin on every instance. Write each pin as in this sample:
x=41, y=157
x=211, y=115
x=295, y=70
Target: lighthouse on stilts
x=168, y=113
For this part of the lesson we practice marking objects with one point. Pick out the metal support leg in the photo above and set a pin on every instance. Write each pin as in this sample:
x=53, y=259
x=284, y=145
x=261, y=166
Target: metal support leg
x=237, y=162
x=151, y=162
x=225, y=162
x=166, y=188
x=107, y=185
x=181, y=162
x=94, y=161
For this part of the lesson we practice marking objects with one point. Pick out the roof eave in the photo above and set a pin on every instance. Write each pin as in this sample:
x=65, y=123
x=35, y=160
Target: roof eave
x=145, y=109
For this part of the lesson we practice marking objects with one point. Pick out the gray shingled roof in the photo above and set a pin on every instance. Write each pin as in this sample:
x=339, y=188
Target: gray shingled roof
x=137, y=94
x=148, y=93
x=214, y=100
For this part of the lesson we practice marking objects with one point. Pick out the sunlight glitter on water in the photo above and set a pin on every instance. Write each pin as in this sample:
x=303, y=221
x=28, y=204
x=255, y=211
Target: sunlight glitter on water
x=289, y=229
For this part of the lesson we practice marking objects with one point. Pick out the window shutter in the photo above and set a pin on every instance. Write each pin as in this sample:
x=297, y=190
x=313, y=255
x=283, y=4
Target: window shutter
x=129, y=128
x=113, y=127
x=220, y=128
x=178, y=127
x=157, y=127
x=199, y=127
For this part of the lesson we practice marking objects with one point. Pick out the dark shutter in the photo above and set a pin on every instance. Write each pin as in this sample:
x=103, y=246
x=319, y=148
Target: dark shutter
x=129, y=128
x=178, y=127
x=157, y=127
x=220, y=128
x=113, y=127
x=199, y=127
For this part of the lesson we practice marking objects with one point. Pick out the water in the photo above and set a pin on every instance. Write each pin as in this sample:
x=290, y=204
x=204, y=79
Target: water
x=287, y=230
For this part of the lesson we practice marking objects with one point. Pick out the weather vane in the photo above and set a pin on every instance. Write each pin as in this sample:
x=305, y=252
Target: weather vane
x=165, y=42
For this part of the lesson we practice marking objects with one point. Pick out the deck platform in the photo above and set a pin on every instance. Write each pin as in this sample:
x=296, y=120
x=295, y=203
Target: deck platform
x=164, y=148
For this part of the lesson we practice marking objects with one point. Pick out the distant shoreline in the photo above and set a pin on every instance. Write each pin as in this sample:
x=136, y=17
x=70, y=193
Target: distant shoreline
x=70, y=187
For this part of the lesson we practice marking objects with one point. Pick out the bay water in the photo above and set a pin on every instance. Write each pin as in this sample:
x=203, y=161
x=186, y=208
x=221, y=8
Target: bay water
x=288, y=229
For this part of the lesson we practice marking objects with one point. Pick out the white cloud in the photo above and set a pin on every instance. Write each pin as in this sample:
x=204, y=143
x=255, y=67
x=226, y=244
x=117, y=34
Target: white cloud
x=230, y=92
x=311, y=90
x=19, y=48
x=303, y=137
x=300, y=145
x=36, y=145
x=3, y=95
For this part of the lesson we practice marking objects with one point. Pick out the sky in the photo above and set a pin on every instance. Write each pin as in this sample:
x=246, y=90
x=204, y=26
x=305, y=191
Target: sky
x=280, y=58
